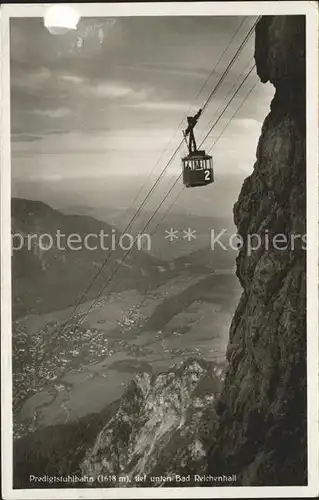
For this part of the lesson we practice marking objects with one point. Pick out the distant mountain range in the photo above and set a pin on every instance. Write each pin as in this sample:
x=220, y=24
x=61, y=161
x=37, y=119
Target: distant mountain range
x=179, y=219
x=50, y=279
x=162, y=248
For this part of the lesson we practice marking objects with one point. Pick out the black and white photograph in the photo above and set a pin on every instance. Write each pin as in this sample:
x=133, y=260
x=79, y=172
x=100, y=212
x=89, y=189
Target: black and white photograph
x=159, y=250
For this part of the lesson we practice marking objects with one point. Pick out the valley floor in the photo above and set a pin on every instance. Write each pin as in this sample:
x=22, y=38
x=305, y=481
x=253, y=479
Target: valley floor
x=63, y=374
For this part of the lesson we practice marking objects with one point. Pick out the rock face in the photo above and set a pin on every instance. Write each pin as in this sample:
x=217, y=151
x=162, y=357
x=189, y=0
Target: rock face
x=162, y=427
x=262, y=431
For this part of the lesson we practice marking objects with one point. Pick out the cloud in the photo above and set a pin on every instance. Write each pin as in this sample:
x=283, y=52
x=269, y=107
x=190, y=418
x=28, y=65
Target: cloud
x=247, y=123
x=160, y=106
x=25, y=138
x=166, y=70
x=77, y=80
x=112, y=143
x=108, y=89
x=45, y=176
x=112, y=90
x=53, y=113
x=31, y=80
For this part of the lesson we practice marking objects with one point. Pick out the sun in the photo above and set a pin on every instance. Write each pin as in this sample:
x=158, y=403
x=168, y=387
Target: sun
x=59, y=19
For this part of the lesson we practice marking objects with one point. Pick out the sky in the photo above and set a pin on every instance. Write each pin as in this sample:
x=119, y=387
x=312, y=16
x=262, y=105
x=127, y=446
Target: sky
x=96, y=113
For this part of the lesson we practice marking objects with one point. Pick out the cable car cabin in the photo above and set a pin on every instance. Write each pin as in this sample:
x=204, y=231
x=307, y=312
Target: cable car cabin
x=197, y=169
x=197, y=166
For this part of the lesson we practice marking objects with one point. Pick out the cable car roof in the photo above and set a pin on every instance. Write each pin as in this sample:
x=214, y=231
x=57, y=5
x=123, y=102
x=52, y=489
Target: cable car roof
x=197, y=155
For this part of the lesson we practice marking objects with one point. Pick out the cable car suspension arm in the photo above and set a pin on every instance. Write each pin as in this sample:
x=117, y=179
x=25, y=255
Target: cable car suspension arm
x=192, y=121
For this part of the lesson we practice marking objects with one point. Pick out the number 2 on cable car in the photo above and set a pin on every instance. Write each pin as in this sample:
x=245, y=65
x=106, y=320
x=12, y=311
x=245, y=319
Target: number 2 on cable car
x=207, y=175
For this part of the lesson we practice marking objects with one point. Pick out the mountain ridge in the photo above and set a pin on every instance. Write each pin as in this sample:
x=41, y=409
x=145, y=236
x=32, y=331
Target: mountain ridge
x=54, y=278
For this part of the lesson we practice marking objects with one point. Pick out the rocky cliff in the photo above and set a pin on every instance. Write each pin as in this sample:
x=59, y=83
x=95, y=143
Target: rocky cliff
x=262, y=410
x=161, y=429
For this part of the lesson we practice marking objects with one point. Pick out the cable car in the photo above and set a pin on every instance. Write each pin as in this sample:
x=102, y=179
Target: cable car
x=197, y=165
